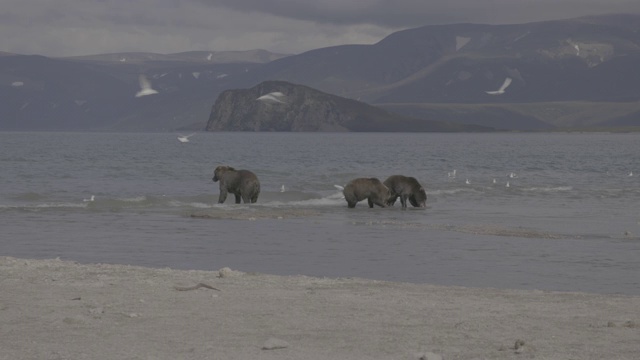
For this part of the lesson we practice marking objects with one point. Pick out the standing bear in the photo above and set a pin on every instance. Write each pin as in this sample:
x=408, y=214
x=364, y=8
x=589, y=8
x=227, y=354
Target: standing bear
x=406, y=188
x=242, y=183
x=366, y=188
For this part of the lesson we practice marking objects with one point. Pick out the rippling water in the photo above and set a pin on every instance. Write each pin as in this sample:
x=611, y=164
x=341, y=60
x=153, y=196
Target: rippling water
x=569, y=219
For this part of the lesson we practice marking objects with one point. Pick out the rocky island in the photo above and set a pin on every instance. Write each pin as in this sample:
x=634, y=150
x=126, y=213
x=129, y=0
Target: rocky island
x=283, y=106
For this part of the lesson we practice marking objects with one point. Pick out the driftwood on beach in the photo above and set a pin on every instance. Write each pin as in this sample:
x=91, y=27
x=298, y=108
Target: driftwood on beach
x=195, y=287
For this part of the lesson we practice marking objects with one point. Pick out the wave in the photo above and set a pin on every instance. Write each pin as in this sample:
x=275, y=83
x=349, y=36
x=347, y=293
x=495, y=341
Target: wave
x=34, y=202
x=136, y=199
x=42, y=206
x=28, y=196
x=476, y=229
x=102, y=203
x=549, y=188
x=306, y=203
x=253, y=213
x=321, y=199
x=452, y=191
x=197, y=205
x=499, y=230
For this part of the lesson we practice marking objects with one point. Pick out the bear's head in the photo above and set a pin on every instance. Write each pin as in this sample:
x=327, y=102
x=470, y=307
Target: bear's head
x=220, y=170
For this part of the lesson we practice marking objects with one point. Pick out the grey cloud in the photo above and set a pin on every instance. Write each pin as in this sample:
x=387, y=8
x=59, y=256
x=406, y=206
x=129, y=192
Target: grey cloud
x=377, y=12
x=412, y=13
x=75, y=27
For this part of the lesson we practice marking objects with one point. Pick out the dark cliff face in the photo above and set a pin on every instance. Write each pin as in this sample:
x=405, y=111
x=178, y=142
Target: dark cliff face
x=282, y=106
x=299, y=108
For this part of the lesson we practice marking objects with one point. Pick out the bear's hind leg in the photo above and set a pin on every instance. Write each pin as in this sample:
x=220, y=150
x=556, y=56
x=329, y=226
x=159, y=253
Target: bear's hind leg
x=370, y=201
x=392, y=200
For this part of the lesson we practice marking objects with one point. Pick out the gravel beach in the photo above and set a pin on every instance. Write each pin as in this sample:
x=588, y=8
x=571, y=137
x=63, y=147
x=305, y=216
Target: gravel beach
x=54, y=309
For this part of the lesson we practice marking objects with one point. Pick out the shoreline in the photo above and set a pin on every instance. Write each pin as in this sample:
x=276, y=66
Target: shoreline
x=57, y=309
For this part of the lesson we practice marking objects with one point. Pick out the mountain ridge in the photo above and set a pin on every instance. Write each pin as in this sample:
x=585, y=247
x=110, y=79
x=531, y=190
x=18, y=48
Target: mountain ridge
x=437, y=72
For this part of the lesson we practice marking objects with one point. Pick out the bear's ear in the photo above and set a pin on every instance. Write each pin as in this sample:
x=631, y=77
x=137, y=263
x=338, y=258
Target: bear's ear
x=230, y=168
x=222, y=169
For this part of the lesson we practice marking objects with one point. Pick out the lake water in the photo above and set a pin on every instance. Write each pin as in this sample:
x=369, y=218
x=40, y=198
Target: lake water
x=569, y=220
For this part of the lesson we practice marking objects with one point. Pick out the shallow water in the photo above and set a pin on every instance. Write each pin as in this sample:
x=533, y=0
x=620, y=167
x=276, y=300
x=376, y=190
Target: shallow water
x=569, y=219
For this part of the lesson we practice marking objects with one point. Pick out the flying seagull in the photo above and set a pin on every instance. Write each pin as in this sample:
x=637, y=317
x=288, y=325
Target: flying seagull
x=185, y=138
x=504, y=86
x=145, y=87
x=273, y=97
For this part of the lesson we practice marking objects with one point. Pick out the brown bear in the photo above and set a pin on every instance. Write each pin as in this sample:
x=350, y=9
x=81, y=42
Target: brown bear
x=406, y=188
x=242, y=183
x=366, y=188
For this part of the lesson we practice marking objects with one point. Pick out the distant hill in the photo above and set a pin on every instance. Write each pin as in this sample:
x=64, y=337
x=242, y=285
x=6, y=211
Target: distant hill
x=415, y=71
x=37, y=92
x=577, y=59
x=202, y=57
x=566, y=74
x=98, y=92
x=282, y=106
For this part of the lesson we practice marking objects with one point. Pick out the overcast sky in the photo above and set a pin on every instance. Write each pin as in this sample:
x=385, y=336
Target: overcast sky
x=82, y=27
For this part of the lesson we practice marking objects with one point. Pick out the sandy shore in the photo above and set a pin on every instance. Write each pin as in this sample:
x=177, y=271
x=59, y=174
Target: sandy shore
x=52, y=309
